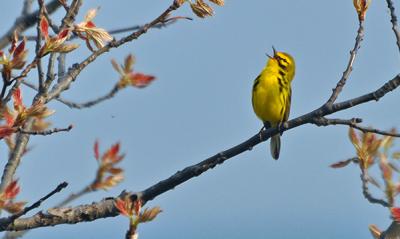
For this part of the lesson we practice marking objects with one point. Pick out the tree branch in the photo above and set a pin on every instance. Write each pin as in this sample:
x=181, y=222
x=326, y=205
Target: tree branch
x=12, y=218
x=353, y=53
x=45, y=132
x=91, y=103
x=395, y=27
x=106, y=208
x=367, y=194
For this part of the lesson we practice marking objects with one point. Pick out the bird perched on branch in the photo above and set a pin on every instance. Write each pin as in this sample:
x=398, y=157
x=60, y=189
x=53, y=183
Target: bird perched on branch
x=272, y=92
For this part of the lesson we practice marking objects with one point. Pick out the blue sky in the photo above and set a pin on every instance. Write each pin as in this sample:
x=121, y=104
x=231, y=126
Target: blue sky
x=200, y=104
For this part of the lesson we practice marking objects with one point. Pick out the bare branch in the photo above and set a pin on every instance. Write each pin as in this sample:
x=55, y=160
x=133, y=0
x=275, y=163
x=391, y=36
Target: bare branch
x=45, y=132
x=9, y=220
x=339, y=87
x=50, y=71
x=322, y=121
x=395, y=27
x=26, y=21
x=91, y=103
x=367, y=194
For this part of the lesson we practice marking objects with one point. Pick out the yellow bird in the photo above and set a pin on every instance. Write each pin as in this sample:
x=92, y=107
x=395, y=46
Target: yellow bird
x=272, y=94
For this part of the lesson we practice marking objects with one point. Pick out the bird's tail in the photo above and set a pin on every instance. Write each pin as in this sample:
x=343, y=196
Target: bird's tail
x=275, y=146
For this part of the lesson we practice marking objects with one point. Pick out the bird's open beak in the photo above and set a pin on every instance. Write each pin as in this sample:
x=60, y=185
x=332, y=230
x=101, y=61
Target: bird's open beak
x=274, y=50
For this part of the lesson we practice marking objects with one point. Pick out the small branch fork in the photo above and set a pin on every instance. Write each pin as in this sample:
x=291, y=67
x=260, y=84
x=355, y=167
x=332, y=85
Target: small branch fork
x=90, y=103
x=346, y=74
x=9, y=220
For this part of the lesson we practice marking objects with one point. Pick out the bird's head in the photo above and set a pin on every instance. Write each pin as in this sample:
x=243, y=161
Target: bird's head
x=283, y=60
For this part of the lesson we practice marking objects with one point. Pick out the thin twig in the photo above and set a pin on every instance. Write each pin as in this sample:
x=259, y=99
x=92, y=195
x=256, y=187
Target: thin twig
x=367, y=194
x=74, y=105
x=9, y=220
x=395, y=27
x=91, y=103
x=50, y=72
x=353, y=53
x=61, y=66
x=38, y=46
x=322, y=121
x=45, y=132
x=375, y=131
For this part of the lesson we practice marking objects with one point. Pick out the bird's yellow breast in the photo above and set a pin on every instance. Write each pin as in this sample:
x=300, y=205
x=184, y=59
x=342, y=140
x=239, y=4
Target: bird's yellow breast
x=267, y=99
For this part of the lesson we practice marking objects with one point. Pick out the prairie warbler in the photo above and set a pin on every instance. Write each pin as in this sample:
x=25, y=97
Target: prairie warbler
x=272, y=94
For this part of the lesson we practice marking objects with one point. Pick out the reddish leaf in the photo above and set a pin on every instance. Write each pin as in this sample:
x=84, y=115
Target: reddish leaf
x=341, y=164
x=8, y=117
x=395, y=211
x=17, y=96
x=96, y=150
x=63, y=34
x=123, y=207
x=141, y=80
x=20, y=48
x=113, y=151
x=6, y=131
x=386, y=170
x=90, y=24
x=11, y=190
x=44, y=27
x=137, y=205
